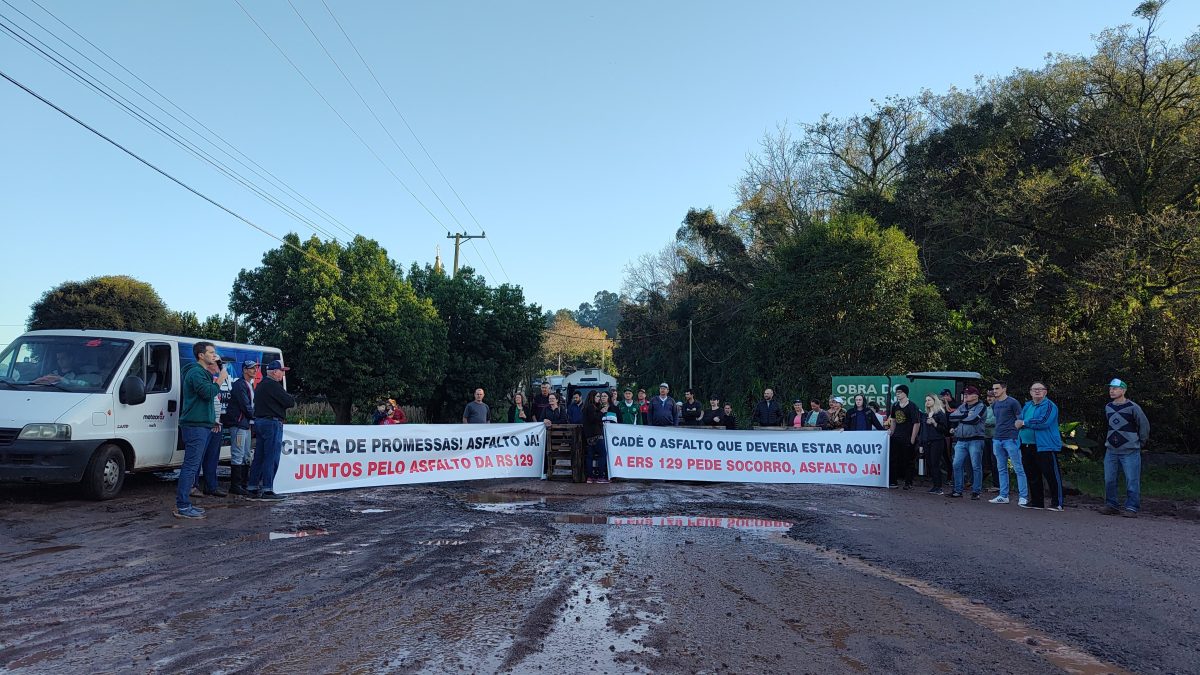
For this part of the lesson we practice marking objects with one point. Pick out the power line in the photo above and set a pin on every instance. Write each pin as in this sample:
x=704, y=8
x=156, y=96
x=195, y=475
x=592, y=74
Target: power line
x=375, y=116
x=416, y=138
x=75, y=71
x=166, y=175
x=622, y=338
x=278, y=182
x=339, y=115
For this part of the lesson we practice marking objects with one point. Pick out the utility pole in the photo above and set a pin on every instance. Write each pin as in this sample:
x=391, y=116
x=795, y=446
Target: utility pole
x=459, y=238
x=689, y=353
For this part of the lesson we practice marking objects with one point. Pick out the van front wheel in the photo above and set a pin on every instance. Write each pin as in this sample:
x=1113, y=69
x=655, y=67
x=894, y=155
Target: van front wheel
x=105, y=473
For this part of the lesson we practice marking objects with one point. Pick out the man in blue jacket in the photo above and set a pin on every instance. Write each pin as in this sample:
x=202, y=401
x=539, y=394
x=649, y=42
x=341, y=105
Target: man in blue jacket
x=238, y=418
x=663, y=412
x=1040, y=445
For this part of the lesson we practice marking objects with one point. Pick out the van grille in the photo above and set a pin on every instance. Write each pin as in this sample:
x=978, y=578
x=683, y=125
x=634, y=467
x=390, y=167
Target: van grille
x=7, y=436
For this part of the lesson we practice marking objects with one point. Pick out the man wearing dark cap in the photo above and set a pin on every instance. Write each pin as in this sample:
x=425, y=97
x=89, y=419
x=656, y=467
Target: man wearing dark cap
x=271, y=402
x=239, y=417
x=628, y=411
x=663, y=412
x=968, y=420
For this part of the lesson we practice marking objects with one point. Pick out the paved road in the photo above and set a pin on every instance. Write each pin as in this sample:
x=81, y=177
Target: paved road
x=532, y=576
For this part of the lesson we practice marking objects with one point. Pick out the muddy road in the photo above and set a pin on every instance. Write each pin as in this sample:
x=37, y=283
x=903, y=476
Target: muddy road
x=530, y=576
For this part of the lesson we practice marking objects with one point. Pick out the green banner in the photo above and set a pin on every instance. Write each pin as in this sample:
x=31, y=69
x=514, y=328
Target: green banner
x=875, y=388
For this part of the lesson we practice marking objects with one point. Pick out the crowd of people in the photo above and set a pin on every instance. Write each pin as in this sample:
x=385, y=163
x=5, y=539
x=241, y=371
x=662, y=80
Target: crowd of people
x=945, y=440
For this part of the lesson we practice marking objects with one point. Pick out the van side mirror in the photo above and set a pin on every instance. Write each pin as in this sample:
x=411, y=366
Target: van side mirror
x=133, y=391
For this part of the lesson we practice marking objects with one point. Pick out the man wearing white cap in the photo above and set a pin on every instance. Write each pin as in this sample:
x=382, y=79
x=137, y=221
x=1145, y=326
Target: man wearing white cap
x=1128, y=430
x=663, y=412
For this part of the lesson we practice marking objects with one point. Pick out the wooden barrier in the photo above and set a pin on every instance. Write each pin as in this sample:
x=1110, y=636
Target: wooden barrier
x=564, y=453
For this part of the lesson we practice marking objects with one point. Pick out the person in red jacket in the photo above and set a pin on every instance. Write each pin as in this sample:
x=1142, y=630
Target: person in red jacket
x=396, y=413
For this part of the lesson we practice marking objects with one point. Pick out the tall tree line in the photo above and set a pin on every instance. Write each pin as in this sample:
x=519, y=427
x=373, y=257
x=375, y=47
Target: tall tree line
x=1044, y=225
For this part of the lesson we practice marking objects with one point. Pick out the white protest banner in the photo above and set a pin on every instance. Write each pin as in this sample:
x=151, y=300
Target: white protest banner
x=318, y=457
x=761, y=456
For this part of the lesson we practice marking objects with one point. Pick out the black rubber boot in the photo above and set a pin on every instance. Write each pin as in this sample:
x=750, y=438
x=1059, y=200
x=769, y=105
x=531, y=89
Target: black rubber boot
x=238, y=475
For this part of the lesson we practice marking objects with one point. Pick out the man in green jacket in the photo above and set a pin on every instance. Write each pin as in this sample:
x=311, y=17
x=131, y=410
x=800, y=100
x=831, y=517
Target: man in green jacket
x=628, y=410
x=197, y=420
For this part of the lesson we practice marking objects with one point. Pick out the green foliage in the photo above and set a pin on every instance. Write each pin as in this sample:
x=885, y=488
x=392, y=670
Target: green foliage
x=101, y=303
x=567, y=347
x=215, y=327
x=353, y=329
x=1158, y=481
x=1044, y=226
x=604, y=312
x=492, y=338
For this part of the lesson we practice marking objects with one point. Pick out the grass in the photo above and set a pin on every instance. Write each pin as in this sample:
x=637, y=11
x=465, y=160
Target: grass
x=1164, y=482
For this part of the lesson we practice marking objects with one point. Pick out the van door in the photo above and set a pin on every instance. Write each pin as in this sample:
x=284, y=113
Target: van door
x=152, y=426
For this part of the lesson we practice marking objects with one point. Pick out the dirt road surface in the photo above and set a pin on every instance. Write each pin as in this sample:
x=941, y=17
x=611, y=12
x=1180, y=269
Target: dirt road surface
x=531, y=576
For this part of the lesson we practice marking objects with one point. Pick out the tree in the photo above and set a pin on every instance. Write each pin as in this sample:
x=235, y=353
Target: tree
x=863, y=155
x=568, y=346
x=604, y=312
x=101, y=303
x=353, y=329
x=493, y=337
x=215, y=327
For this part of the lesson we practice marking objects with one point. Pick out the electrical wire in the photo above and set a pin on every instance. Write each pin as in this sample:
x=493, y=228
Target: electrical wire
x=269, y=176
x=75, y=71
x=339, y=115
x=670, y=331
x=166, y=175
x=411, y=131
x=375, y=116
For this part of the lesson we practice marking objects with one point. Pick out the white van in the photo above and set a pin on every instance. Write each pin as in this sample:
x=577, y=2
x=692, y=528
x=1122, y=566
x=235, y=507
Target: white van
x=88, y=405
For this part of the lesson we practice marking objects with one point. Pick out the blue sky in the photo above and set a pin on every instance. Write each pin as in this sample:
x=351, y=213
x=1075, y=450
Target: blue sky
x=578, y=134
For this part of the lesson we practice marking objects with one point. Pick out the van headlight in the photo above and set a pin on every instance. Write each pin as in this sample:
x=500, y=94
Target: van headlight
x=46, y=432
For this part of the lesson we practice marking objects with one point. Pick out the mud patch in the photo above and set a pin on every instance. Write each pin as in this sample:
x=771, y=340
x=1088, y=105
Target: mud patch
x=747, y=524
x=45, y=550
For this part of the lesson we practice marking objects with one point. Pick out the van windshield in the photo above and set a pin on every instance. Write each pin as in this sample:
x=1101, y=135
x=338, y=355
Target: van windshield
x=62, y=362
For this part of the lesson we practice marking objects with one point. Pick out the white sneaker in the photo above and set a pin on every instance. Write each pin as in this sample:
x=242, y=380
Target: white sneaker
x=998, y=500
x=1054, y=508
x=1022, y=501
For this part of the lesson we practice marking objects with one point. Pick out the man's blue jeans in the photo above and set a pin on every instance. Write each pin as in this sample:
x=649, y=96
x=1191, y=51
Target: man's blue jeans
x=239, y=446
x=212, y=457
x=1006, y=449
x=975, y=448
x=194, y=441
x=266, y=458
x=1131, y=464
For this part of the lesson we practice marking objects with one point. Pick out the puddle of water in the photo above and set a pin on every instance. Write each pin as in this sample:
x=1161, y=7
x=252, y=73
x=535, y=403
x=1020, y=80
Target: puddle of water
x=1058, y=654
x=854, y=514
x=293, y=535
x=748, y=524
x=374, y=511
x=507, y=502
x=507, y=507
